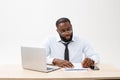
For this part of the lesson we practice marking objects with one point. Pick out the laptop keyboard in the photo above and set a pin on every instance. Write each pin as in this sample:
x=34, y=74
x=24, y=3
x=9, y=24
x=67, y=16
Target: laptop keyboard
x=48, y=68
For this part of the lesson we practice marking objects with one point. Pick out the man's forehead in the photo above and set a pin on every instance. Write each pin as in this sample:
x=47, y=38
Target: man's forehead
x=63, y=25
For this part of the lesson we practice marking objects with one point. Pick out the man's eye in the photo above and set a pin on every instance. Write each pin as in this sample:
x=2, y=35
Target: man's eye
x=63, y=31
x=68, y=29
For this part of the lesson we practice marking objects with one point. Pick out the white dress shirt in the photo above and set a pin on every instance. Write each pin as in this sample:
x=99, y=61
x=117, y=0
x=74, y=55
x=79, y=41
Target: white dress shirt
x=78, y=50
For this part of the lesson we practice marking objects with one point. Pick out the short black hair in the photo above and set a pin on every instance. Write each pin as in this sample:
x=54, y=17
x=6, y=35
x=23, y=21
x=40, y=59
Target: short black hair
x=62, y=20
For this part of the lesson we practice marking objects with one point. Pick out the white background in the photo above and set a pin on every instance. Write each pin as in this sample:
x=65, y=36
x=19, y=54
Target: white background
x=29, y=22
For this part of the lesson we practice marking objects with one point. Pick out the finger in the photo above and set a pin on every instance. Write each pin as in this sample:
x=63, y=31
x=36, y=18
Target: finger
x=85, y=65
x=68, y=64
x=63, y=65
x=89, y=62
x=86, y=62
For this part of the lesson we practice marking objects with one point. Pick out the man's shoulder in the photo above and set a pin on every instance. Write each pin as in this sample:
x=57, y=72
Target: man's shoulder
x=75, y=37
x=79, y=39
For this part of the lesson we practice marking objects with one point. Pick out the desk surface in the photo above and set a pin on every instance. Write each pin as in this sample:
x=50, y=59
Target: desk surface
x=17, y=72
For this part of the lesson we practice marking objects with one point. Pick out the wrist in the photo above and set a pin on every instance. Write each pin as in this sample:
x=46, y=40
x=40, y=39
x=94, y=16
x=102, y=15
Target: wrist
x=54, y=61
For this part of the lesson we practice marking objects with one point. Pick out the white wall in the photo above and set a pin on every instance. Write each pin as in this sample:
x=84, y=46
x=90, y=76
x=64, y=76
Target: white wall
x=28, y=22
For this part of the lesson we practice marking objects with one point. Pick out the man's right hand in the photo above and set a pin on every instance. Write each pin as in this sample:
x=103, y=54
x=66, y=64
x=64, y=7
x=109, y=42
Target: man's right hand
x=62, y=63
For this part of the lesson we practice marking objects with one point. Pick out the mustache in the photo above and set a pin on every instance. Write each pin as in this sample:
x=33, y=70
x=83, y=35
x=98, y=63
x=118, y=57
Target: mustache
x=64, y=39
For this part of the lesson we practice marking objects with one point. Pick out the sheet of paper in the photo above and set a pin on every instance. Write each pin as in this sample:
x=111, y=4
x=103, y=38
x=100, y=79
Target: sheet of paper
x=77, y=67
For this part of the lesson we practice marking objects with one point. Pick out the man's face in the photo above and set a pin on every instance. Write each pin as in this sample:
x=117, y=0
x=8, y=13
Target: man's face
x=65, y=31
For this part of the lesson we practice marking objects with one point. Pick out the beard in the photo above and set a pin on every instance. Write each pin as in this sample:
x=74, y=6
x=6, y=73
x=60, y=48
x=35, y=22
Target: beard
x=66, y=40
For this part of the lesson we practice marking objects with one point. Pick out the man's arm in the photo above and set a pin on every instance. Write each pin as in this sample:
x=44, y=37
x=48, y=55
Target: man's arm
x=62, y=63
x=91, y=57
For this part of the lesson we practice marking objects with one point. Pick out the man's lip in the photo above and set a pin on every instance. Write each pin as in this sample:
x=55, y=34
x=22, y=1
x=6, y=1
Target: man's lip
x=67, y=37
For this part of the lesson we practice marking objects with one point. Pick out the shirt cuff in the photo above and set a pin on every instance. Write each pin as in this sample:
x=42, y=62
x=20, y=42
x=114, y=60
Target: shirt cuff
x=50, y=60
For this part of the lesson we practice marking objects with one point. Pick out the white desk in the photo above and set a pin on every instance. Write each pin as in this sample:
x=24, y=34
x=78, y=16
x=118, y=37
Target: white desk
x=16, y=72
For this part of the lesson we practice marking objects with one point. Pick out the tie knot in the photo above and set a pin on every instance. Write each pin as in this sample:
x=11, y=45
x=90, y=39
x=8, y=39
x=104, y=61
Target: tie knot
x=66, y=44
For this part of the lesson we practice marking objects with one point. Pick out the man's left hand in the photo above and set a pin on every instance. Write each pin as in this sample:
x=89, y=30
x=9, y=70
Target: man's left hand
x=87, y=62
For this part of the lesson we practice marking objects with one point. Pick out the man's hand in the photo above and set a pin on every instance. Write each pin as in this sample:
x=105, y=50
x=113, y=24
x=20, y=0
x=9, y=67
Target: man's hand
x=87, y=62
x=62, y=63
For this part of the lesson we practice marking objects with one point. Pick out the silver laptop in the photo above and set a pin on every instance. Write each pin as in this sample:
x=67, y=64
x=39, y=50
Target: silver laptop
x=35, y=59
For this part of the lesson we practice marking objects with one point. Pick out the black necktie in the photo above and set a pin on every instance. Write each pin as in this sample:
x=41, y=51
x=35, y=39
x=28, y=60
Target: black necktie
x=66, y=54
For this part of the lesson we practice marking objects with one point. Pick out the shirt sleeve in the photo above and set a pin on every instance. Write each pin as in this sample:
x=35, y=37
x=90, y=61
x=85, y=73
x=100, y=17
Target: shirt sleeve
x=49, y=60
x=47, y=44
x=91, y=53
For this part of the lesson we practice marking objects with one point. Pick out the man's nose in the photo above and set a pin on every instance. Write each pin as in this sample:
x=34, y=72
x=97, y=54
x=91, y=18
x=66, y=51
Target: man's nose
x=67, y=31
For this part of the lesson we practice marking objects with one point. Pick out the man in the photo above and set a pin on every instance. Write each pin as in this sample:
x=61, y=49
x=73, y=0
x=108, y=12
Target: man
x=75, y=47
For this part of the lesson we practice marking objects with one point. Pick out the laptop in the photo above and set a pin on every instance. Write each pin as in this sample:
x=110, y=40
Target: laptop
x=35, y=59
